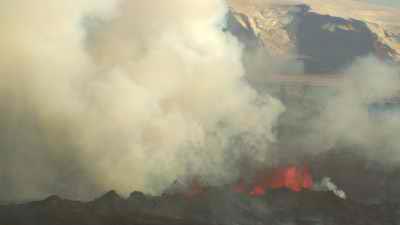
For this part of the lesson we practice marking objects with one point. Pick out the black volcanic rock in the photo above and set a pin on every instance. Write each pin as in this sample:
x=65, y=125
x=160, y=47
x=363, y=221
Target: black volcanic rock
x=108, y=197
x=52, y=200
x=217, y=206
x=362, y=178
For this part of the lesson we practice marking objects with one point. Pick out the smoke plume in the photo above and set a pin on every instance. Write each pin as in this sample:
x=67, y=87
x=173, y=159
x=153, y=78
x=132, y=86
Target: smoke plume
x=126, y=95
x=360, y=114
x=326, y=184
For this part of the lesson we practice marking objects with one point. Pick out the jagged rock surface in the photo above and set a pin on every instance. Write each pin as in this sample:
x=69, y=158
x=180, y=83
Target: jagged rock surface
x=216, y=206
x=372, y=190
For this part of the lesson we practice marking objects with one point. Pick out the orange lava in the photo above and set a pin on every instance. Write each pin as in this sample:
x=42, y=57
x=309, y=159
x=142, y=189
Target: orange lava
x=295, y=178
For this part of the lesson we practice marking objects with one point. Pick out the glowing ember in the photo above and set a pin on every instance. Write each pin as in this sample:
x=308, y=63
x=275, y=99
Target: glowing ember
x=294, y=178
x=258, y=191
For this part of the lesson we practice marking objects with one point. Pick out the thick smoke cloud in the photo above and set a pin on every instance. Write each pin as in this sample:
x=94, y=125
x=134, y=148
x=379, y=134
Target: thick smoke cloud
x=358, y=115
x=126, y=95
x=362, y=112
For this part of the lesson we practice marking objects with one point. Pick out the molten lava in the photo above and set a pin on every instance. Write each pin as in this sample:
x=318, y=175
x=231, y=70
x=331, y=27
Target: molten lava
x=294, y=178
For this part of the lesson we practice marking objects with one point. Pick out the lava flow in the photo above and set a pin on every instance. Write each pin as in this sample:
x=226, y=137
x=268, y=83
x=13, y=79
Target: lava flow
x=294, y=178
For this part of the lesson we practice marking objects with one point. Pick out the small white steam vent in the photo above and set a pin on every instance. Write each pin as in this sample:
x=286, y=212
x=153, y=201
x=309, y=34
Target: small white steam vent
x=326, y=184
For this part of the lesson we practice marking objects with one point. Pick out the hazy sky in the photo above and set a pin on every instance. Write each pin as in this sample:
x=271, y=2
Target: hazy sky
x=395, y=3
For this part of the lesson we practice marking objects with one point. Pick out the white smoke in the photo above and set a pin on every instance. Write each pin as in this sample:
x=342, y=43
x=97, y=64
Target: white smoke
x=326, y=184
x=347, y=116
x=125, y=95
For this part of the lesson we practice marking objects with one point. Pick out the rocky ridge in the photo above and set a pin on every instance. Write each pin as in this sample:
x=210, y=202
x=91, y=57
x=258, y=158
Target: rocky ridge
x=327, y=36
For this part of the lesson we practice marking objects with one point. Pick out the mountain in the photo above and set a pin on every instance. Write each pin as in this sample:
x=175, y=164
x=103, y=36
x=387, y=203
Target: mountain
x=325, y=35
